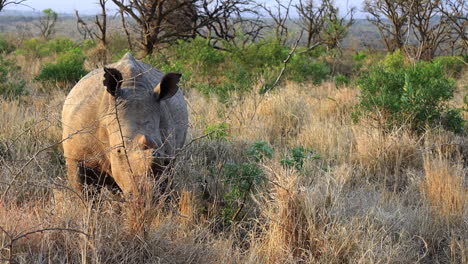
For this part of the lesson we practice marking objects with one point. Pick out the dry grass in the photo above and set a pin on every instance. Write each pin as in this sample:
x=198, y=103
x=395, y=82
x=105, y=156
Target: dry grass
x=370, y=197
x=444, y=187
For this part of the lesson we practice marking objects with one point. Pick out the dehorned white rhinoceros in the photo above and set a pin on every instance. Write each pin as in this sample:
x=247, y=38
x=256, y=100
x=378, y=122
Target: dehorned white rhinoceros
x=121, y=123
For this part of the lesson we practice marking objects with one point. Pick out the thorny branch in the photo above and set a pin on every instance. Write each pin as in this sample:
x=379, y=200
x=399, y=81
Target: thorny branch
x=12, y=239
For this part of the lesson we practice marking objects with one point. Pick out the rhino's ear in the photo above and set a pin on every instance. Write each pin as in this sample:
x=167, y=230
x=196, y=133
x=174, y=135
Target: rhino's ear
x=112, y=80
x=168, y=86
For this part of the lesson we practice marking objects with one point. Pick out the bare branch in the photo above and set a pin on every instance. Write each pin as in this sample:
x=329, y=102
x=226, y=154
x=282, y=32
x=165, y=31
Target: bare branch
x=4, y=3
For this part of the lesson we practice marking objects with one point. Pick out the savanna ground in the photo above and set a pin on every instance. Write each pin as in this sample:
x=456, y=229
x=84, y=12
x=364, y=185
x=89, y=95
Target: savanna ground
x=287, y=176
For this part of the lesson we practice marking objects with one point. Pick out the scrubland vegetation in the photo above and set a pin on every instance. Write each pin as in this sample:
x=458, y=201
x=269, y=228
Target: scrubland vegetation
x=353, y=156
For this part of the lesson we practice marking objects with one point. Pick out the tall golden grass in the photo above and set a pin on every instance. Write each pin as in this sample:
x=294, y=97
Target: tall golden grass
x=371, y=197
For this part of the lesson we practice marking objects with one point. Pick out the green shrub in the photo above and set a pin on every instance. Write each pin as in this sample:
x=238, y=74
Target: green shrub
x=394, y=62
x=243, y=178
x=297, y=156
x=305, y=68
x=6, y=47
x=11, y=84
x=218, y=131
x=38, y=48
x=88, y=44
x=414, y=95
x=198, y=53
x=260, y=150
x=341, y=80
x=238, y=79
x=261, y=56
x=452, y=65
x=69, y=68
x=358, y=60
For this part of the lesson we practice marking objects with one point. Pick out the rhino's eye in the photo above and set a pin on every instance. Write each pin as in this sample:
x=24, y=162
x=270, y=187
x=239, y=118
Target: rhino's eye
x=118, y=151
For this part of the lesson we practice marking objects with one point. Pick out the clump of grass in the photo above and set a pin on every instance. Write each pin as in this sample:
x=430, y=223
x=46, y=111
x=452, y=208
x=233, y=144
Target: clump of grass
x=385, y=156
x=444, y=188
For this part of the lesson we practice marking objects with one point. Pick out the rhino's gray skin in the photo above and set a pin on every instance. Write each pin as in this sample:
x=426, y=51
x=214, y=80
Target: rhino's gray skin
x=95, y=122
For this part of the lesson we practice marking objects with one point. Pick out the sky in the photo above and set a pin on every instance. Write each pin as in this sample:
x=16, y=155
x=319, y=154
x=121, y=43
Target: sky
x=91, y=6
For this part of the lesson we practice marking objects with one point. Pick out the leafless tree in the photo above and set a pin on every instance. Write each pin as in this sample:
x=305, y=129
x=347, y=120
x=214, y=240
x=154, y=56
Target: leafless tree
x=101, y=23
x=456, y=12
x=391, y=19
x=160, y=21
x=280, y=16
x=83, y=27
x=227, y=19
x=47, y=22
x=311, y=19
x=125, y=28
x=4, y=3
x=430, y=27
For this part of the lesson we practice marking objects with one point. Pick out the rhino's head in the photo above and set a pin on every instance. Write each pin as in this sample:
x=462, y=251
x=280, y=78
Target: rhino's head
x=138, y=133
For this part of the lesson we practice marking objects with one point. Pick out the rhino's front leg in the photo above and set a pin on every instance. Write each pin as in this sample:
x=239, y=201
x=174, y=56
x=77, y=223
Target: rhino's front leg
x=73, y=175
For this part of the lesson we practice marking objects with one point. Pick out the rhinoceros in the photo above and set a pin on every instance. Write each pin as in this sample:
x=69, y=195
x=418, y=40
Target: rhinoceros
x=121, y=124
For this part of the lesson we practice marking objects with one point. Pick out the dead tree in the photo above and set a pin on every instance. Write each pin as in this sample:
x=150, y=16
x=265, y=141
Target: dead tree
x=47, y=22
x=280, y=17
x=125, y=28
x=391, y=19
x=101, y=23
x=311, y=19
x=4, y=3
x=83, y=27
x=160, y=21
x=430, y=27
x=456, y=12
x=224, y=20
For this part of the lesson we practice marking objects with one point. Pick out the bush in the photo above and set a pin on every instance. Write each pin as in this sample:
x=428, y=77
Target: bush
x=394, y=62
x=341, y=80
x=244, y=178
x=218, y=131
x=69, y=68
x=452, y=65
x=6, y=47
x=11, y=84
x=261, y=56
x=415, y=95
x=199, y=54
x=358, y=60
x=297, y=157
x=39, y=48
x=304, y=68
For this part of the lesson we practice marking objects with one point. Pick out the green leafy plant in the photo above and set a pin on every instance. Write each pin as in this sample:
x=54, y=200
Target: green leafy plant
x=305, y=68
x=394, y=62
x=5, y=46
x=297, y=156
x=260, y=150
x=218, y=131
x=452, y=65
x=358, y=60
x=242, y=179
x=39, y=48
x=12, y=85
x=413, y=95
x=69, y=68
x=341, y=80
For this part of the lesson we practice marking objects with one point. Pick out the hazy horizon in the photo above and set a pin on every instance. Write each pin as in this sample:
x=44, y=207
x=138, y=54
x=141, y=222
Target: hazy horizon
x=92, y=6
